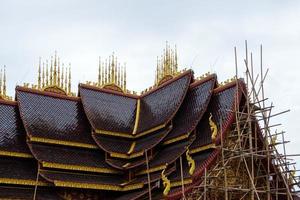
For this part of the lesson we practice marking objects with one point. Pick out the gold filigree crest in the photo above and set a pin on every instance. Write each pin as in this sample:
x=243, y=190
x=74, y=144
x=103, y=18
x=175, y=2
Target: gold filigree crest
x=112, y=75
x=167, y=65
x=57, y=79
x=3, y=94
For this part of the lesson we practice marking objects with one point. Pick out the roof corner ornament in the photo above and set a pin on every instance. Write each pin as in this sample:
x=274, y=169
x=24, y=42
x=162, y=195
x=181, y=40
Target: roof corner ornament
x=191, y=162
x=166, y=182
x=167, y=66
x=213, y=128
x=57, y=80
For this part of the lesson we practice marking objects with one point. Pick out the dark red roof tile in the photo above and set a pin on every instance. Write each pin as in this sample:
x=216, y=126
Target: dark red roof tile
x=192, y=108
x=53, y=117
x=160, y=106
x=12, y=132
x=85, y=158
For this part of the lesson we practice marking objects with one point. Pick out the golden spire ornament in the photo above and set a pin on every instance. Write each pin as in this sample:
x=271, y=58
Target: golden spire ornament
x=57, y=80
x=167, y=66
x=3, y=84
x=111, y=74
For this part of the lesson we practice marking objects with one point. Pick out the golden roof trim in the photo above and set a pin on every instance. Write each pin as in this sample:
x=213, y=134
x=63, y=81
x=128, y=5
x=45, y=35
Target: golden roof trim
x=22, y=182
x=131, y=149
x=63, y=143
x=126, y=156
x=151, y=170
x=137, y=116
x=203, y=148
x=176, y=139
x=128, y=135
x=79, y=168
x=15, y=154
x=179, y=183
x=98, y=186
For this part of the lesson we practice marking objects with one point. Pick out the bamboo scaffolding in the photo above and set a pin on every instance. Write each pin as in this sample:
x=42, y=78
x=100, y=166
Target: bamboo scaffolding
x=274, y=178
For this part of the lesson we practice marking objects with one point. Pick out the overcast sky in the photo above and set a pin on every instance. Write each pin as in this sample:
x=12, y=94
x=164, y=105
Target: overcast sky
x=205, y=33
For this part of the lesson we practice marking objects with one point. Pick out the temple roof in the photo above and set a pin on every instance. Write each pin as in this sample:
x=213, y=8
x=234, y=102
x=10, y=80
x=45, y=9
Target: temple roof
x=20, y=171
x=220, y=108
x=54, y=118
x=160, y=105
x=28, y=193
x=68, y=158
x=192, y=109
x=115, y=114
x=130, y=148
x=86, y=181
x=12, y=132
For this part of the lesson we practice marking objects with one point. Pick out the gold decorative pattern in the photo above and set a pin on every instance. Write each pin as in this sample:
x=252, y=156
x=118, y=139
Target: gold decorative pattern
x=98, y=186
x=21, y=182
x=213, y=128
x=131, y=148
x=79, y=168
x=61, y=142
x=166, y=182
x=191, y=162
x=15, y=154
x=203, y=148
x=167, y=66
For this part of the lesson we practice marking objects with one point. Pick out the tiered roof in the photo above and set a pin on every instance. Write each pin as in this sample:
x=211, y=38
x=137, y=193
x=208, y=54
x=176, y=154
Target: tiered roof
x=109, y=140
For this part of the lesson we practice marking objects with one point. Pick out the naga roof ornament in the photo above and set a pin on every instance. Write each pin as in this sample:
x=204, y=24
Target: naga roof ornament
x=57, y=79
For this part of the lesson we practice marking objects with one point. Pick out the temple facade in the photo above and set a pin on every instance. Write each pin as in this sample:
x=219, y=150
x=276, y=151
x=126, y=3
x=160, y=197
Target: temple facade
x=108, y=142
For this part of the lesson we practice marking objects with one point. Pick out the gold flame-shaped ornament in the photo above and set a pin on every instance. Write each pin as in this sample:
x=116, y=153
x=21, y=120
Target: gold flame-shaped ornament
x=167, y=65
x=57, y=80
x=112, y=75
x=213, y=128
x=166, y=182
x=191, y=162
